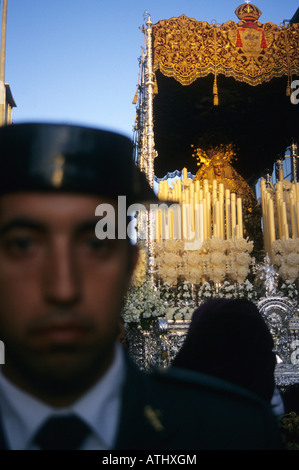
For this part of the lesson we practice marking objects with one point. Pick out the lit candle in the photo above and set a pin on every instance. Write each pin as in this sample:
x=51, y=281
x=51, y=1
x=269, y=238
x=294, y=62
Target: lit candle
x=196, y=212
x=179, y=186
x=239, y=216
x=221, y=213
x=204, y=205
x=187, y=195
x=271, y=226
x=170, y=222
x=284, y=221
x=177, y=221
x=233, y=213
x=159, y=224
x=201, y=222
x=214, y=190
x=214, y=230
x=184, y=223
x=192, y=189
x=279, y=189
x=286, y=231
x=165, y=227
x=217, y=217
x=278, y=212
x=188, y=221
x=200, y=195
x=292, y=214
x=280, y=174
x=205, y=187
x=192, y=214
x=297, y=215
x=165, y=189
x=227, y=214
x=159, y=194
x=208, y=207
x=175, y=189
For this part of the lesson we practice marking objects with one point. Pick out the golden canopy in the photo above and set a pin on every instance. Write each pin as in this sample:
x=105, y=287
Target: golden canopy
x=249, y=51
x=221, y=84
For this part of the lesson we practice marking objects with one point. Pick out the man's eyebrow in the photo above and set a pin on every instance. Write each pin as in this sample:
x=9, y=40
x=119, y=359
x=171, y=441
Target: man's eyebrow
x=89, y=225
x=27, y=223
x=21, y=223
x=86, y=226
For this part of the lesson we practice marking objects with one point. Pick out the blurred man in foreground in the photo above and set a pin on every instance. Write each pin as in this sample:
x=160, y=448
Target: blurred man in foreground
x=66, y=382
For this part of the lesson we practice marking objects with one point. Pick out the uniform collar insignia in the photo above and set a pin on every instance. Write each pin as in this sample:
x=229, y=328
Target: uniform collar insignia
x=153, y=416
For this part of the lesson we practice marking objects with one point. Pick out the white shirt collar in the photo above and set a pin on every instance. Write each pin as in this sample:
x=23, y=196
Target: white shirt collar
x=22, y=414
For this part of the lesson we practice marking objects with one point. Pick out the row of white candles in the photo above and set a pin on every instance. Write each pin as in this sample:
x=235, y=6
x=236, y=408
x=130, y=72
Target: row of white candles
x=199, y=211
x=280, y=211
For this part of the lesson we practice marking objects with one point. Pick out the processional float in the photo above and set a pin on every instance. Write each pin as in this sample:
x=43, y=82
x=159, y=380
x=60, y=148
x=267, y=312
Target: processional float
x=216, y=111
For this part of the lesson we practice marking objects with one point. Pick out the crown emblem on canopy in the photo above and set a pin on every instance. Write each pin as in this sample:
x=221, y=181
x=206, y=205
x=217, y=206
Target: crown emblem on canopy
x=247, y=12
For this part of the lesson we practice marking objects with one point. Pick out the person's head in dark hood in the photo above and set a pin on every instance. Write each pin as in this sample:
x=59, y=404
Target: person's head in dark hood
x=229, y=339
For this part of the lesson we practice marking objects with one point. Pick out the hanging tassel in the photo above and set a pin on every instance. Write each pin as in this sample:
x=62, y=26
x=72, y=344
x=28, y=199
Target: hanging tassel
x=288, y=90
x=155, y=86
x=215, y=92
x=215, y=88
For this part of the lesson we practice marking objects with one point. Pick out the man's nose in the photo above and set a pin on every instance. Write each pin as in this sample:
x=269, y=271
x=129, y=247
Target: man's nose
x=62, y=283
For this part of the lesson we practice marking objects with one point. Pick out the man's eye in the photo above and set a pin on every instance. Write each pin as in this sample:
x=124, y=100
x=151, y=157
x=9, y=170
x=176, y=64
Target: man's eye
x=19, y=244
x=98, y=245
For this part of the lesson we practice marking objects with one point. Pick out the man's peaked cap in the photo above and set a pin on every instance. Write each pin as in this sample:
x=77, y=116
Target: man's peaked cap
x=70, y=158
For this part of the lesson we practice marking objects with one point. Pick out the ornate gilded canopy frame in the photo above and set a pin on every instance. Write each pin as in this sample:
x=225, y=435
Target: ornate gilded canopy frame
x=248, y=51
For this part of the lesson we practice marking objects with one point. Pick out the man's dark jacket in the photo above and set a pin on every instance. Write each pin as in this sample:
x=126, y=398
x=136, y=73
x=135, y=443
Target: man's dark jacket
x=180, y=410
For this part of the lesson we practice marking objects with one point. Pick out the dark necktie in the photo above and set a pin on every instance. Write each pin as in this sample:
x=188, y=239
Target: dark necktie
x=62, y=433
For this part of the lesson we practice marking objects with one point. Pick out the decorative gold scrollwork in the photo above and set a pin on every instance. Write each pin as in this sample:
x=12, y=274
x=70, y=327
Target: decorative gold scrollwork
x=248, y=51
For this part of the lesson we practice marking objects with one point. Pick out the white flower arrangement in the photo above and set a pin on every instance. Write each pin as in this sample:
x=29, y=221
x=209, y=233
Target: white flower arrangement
x=286, y=258
x=143, y=304
x=289, y=289
x=168, y=294
x=179, y=314
x=194, y=274
x=215, y=244
x=187, y=278
x=168, y=259
x=227, y=290
x=178, y=301
x=184, y=294
x=168, y=274
x=217, y=260
x=246, y=290
x=206, y=291
x=173, y=245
